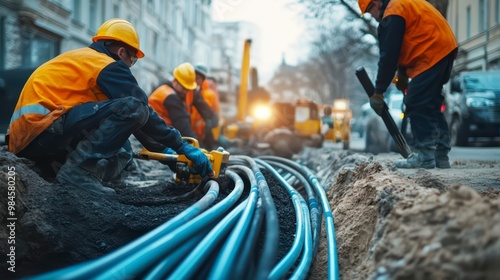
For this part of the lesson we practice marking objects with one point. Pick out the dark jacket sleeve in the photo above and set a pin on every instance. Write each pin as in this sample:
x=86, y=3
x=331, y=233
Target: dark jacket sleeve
x=205, y=111
x=178, y=115
x=390, y=35
x=116, y=81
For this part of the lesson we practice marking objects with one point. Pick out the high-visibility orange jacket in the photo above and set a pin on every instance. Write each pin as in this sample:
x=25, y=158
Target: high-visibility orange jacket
x=172, y=109
x=413, y=37
x=427, y=39
x=197, y=120
x=90, y=74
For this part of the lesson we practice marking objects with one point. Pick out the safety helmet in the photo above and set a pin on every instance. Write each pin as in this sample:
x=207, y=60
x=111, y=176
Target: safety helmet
x=363, y=5
x=186, y=75
x=119, y=30
x=201, y=69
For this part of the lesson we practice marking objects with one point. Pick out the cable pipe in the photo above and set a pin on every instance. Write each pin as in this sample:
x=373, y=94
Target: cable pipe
x=195, y=259
x=333, y=266
x=224, y=263
x=270, y=250
x=137, y=262
x=93, y=267
x=166, y=266
x=245, y=267
x=280, y=270
x=315, y=212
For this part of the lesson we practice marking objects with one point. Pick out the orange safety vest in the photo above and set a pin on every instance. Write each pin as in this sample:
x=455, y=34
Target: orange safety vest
x=156, y=100
x=212, y=99
x=54, y=88
x=428, y=38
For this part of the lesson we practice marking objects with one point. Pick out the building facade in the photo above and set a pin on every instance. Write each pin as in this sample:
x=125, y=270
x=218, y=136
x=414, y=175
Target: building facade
x=171, y=32
x=476, y=24
x=228, y=39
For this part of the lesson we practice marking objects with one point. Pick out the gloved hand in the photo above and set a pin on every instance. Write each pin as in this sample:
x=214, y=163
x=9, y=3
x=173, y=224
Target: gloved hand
x=169, y=151
x=200, y=160
x=377, y=103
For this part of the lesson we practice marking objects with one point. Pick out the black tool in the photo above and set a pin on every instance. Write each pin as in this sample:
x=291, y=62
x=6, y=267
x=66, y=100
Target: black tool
x=367, y=84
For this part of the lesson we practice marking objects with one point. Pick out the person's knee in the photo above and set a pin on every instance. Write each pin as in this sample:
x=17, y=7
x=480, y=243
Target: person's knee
x=134, y=109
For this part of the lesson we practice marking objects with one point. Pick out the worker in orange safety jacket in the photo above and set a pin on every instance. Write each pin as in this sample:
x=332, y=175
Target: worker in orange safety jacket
x=205, y=127
x=416, y=41
x=176, y=100
x=78, y=110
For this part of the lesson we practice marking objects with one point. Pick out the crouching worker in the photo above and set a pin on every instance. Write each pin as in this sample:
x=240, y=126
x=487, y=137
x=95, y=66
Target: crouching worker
x=80, y=108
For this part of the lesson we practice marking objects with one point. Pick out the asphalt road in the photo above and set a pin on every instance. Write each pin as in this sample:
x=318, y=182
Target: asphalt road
x=480, y=151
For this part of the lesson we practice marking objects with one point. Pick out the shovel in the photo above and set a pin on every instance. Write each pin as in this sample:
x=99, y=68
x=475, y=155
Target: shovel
x=367, y=84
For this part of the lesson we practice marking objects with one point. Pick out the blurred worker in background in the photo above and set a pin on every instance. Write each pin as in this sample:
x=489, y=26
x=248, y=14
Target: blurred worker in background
x=415, y=39
x=80, y=108
x=326, y=119
x=175, y=100
x=203, y=126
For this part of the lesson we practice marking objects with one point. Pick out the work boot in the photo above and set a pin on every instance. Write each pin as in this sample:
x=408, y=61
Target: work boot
x=442, y=160
x=416, y=160
x=83, y=179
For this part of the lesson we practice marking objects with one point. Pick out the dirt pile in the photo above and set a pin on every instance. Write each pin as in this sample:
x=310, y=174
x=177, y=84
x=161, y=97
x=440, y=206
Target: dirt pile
x=390, y=226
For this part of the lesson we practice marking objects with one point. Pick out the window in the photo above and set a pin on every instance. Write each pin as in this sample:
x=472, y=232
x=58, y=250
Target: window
x=497, y=11
x=482, y=16
x=116, y=10
x=92, y=16
x=76, y=10
x=468, y=23
x=2, y=43
x=39, y=48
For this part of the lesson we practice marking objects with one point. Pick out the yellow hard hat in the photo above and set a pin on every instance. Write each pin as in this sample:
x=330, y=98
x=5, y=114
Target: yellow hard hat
x=186, y=75
x=120, y=30
x=363, y=5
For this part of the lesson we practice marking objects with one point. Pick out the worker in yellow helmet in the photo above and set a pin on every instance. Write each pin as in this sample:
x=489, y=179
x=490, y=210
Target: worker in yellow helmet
x=175, y=101
x=205, y=120
x=417, y=43
x=78, y=110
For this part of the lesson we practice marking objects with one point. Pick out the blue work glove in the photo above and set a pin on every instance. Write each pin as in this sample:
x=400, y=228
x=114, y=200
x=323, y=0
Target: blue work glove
x=169, y=151
x=200, y=160
x=377, y=103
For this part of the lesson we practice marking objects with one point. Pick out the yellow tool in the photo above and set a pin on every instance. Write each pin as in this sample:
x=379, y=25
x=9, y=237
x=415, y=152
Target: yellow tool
x=218, y=158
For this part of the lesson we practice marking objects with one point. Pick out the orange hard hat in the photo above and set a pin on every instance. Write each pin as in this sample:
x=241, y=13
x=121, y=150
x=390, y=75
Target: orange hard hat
x=363, y=5
x=186, y=75
x=119, y=30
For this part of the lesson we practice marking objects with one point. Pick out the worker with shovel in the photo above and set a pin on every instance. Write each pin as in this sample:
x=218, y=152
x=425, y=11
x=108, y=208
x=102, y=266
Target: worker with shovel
x=415, y=39
x=80, y=108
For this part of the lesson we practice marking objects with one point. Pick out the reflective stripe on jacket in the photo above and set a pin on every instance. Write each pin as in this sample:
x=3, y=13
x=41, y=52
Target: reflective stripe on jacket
x=428, y=38
x=53, y=89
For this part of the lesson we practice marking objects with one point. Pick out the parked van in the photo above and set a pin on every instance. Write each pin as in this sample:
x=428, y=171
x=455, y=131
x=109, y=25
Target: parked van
x=473, y=106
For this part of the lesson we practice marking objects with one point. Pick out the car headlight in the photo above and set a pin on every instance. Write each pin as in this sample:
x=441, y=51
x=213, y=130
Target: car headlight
x=478, y=102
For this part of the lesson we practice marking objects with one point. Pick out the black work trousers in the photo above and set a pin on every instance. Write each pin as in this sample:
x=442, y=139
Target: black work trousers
x=423, y=107
x=90, y=131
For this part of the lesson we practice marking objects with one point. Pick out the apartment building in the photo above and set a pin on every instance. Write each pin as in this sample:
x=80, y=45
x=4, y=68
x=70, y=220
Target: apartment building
x=171, y=32
x=476, y=24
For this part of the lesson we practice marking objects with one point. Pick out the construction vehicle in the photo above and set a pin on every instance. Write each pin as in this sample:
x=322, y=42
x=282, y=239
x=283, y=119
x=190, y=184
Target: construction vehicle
x=283, y=128
x=341, y=129
x=183, y=166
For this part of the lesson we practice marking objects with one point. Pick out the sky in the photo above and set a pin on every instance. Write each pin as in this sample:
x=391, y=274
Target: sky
x=281, y=27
